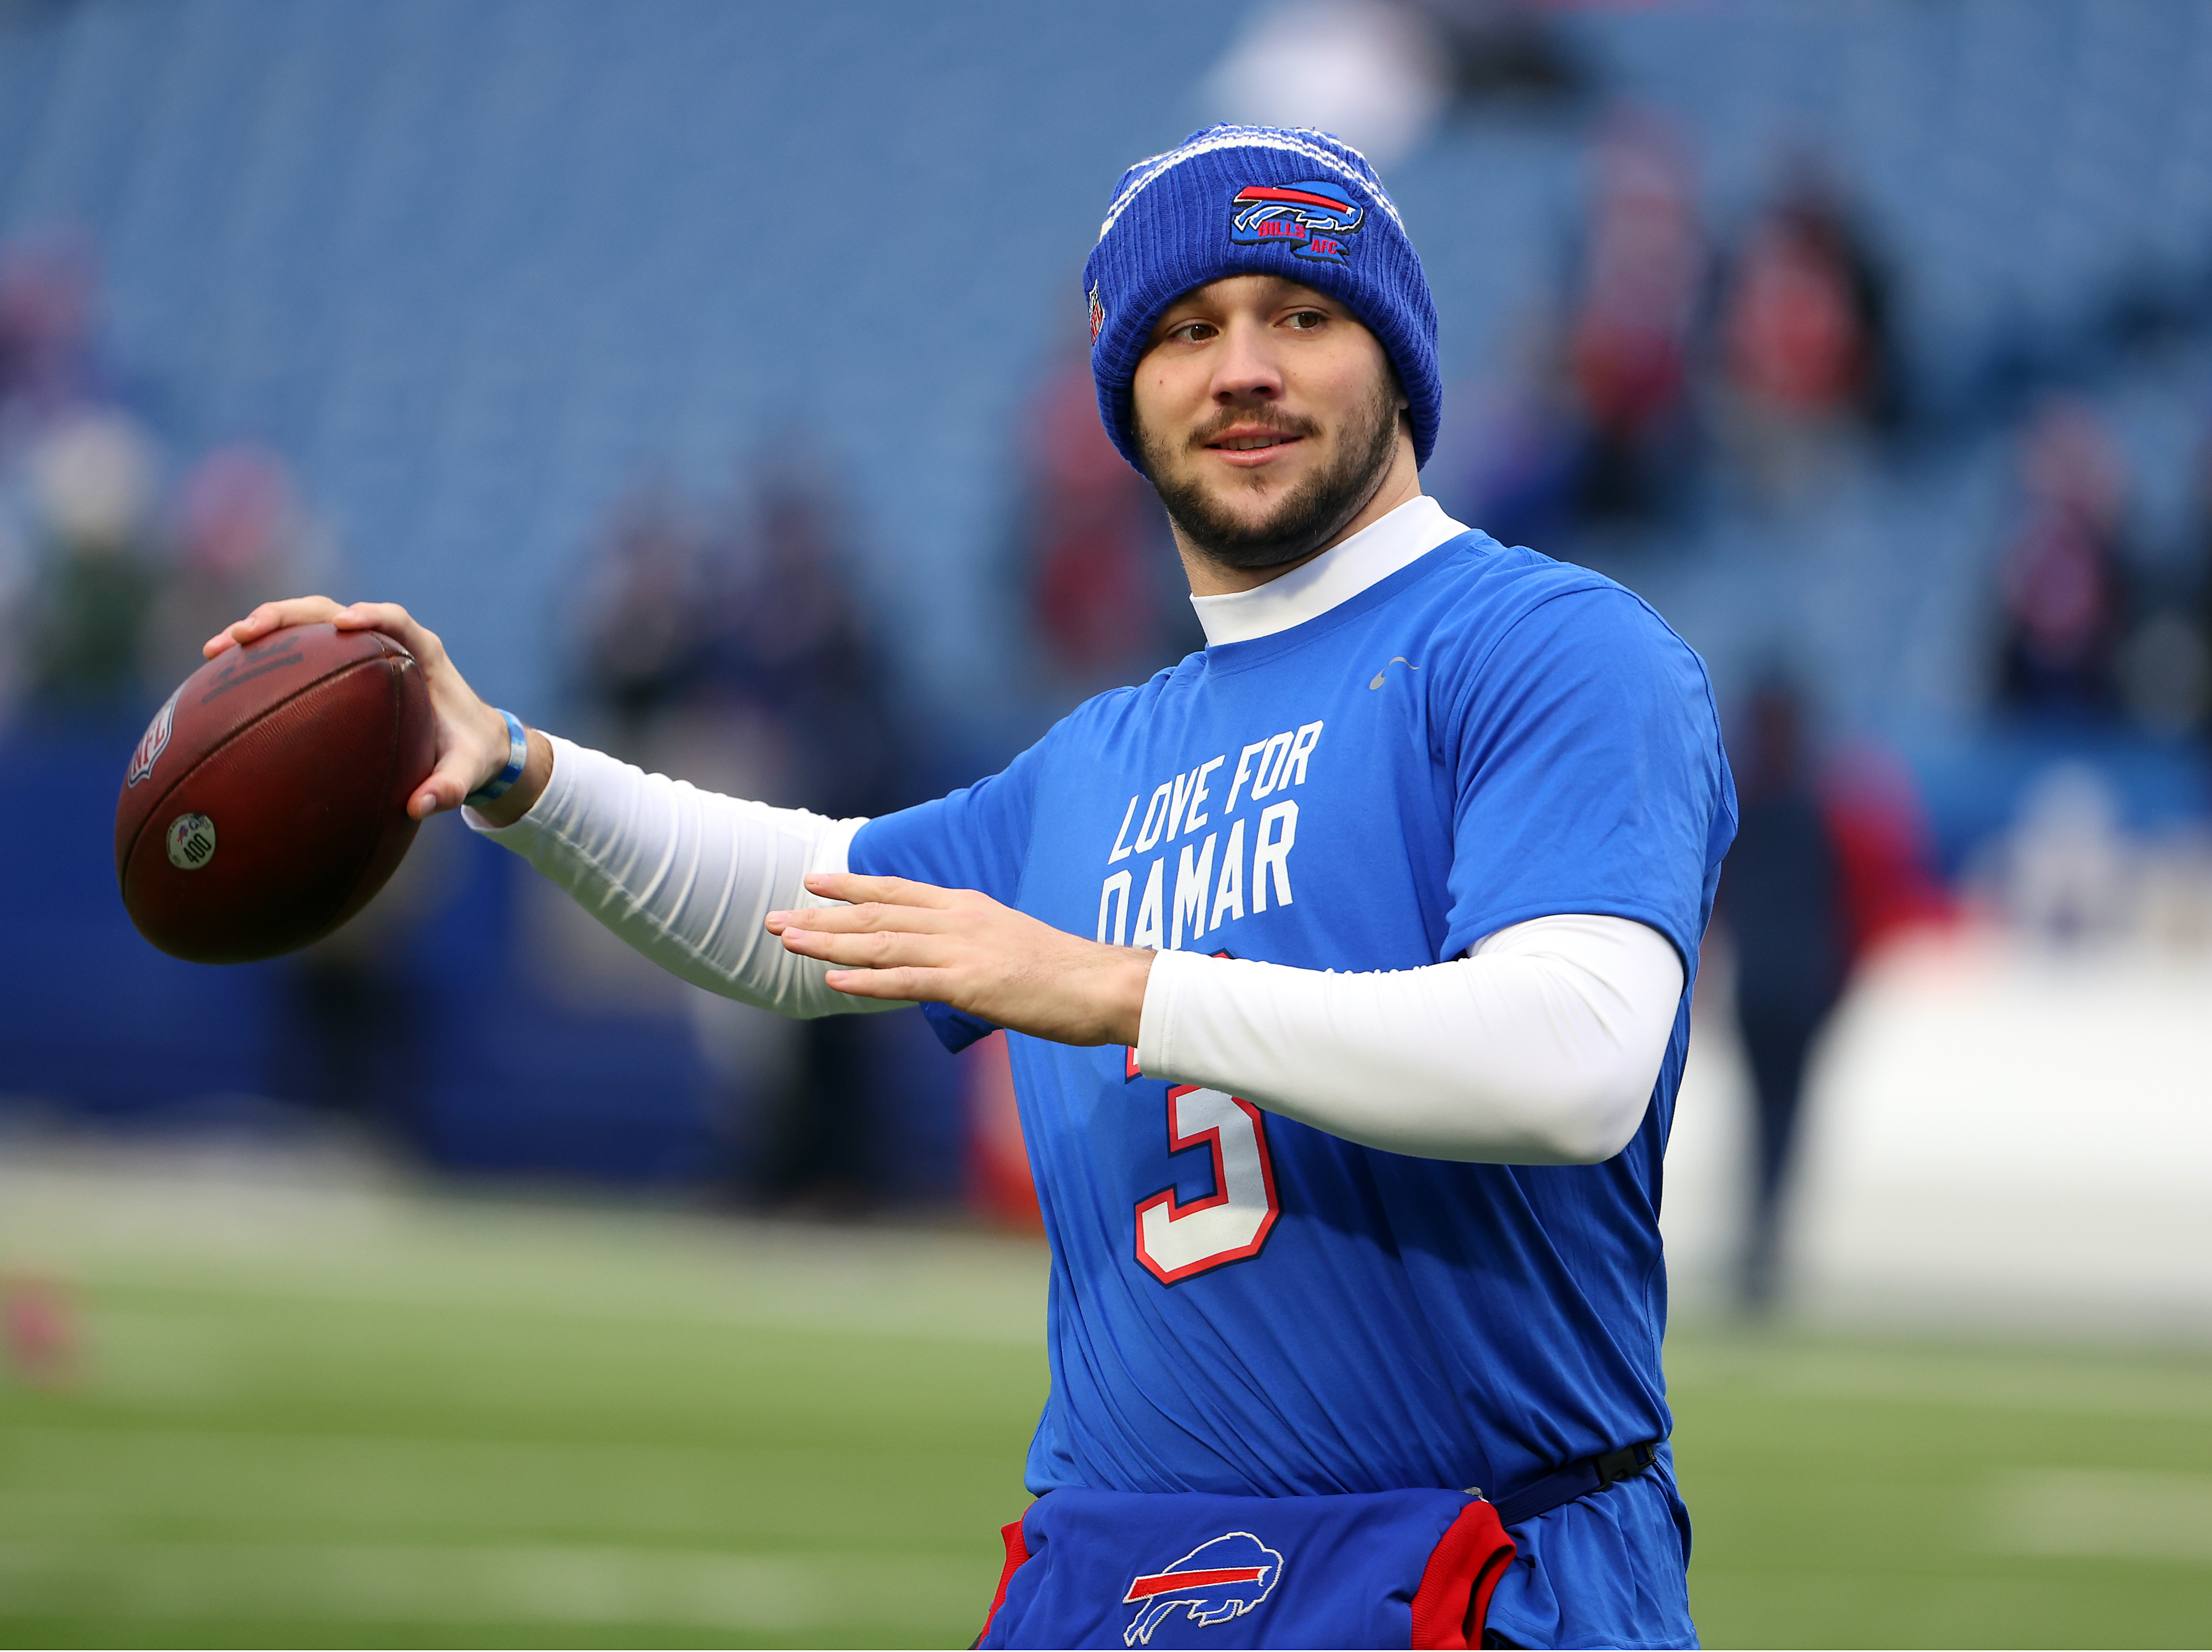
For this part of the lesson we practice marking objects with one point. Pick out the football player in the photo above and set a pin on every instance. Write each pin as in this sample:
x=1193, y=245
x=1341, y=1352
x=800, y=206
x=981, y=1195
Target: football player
x=1345, y=967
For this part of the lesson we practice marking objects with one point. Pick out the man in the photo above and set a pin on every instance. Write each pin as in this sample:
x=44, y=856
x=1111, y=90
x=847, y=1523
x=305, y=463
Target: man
x=1782, y=904
x=1346, y=966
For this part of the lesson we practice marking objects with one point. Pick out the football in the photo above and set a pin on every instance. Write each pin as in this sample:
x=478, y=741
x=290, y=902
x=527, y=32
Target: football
x=267, y=801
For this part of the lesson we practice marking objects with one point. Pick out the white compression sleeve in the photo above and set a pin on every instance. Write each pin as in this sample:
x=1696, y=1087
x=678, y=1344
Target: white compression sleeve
x=686, y=876
x=1539, y=1047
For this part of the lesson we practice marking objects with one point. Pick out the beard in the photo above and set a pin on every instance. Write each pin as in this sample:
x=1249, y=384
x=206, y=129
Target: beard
x=1304, y=518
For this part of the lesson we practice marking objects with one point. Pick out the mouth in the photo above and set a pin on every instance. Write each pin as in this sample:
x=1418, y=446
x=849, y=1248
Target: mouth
x=1249, y=445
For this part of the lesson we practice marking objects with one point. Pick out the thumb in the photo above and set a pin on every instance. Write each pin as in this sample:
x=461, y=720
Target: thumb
x=445, y=786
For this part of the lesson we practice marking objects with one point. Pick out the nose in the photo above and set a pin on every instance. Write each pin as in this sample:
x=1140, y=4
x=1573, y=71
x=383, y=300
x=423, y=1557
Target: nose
x=1246, y=368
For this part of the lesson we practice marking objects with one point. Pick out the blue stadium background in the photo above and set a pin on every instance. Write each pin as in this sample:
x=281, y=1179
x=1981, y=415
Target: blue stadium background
x=473, y=269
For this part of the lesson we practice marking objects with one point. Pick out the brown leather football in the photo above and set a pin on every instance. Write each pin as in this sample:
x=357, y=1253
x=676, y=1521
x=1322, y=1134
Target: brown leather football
x=267, y=801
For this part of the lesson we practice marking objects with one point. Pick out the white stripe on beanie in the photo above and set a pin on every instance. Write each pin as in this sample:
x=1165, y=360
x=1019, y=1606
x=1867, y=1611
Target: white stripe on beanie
x=1290, y=139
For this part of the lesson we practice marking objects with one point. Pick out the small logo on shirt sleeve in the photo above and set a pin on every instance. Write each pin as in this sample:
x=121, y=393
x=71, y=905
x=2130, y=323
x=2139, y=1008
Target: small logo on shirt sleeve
x=1376, y=682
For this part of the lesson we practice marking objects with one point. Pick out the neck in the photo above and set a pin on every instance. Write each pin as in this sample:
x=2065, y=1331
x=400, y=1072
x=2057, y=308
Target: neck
x=1401, y=482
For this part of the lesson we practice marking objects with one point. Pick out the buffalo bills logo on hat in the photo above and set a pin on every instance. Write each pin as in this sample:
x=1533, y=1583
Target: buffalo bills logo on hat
x=1314, y=219
x=1215, y=1582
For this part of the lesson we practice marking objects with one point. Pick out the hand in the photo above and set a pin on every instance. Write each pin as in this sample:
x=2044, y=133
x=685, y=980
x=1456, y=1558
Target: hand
x=901, y=940
x=471, y=737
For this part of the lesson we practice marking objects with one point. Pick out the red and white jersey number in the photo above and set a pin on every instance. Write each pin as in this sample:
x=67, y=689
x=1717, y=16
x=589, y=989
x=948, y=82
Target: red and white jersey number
x=1176, y=1240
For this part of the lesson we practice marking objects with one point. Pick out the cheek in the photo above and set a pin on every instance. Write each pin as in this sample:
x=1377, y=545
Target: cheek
x=1339, y=388
x=1166, y=401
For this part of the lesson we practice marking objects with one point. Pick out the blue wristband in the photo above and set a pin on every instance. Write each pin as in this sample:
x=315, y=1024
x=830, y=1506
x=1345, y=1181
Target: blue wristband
x=518, y=753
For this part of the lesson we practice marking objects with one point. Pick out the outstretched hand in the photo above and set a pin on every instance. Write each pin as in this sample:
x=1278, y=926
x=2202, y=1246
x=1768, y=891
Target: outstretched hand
x=901, y=940
x=471, y=737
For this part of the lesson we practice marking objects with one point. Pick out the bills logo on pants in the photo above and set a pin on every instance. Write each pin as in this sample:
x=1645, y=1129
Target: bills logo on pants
x=1091, y=1569
x=1215, y=1582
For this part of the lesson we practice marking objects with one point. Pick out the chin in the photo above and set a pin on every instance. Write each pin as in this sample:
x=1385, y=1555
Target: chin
x=1260, y=522
x=1253, y=497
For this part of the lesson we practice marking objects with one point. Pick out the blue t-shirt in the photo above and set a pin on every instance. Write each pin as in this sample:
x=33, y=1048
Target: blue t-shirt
x=1243, y=1304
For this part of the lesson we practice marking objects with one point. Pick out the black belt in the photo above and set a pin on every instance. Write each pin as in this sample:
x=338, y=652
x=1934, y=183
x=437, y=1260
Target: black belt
x=1576, y=1480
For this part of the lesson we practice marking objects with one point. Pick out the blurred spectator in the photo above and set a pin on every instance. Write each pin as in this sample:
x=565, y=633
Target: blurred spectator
x=92, y=477
x=2195, y=708
x=1374, y=73
x=1782, y=897
x=792, y=648
x=239, y=536
x=47, y=362
x=1627, y=343
x=786, y=636
x=1832, y=860
x=1381, y=74
x=1507, y=459
x=2062, y=587
x=732, y=651
x=2063, y=874
x=2165, y=666
x=18, y=572
x=1000, y=1188
x=80, y=475
x=642, y=615
x=1806, y=351
x=2200, y=548
x=1510, y=51
x=2165, y=671
x=356, y=1010
x=1105, y=585
x=47, y=380
x=1884, y=852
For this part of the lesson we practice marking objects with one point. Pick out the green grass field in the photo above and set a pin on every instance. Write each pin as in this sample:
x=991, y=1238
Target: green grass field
x=333, y=1414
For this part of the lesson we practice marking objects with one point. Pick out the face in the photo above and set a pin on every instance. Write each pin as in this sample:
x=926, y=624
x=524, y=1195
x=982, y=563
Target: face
x=1268, y=418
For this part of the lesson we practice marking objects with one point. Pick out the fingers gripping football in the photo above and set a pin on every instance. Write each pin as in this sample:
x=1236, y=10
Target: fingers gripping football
x=471, y=737
x=903, y=940
x=272, y=616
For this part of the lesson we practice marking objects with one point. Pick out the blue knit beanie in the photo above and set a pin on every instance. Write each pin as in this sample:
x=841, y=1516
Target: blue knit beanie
x=1256, y=200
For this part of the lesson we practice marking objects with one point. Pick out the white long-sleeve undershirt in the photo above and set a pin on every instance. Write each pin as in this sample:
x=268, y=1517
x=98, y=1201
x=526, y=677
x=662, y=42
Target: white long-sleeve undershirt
x=686, y=876
x=1540, y=1046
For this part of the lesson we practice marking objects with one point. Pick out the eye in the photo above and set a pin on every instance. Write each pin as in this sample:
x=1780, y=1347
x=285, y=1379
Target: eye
x=1192, y=333
x=1306, y=320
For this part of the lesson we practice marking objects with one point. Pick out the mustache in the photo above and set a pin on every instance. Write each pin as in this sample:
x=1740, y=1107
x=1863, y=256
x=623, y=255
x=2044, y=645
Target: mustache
x=1274, y=421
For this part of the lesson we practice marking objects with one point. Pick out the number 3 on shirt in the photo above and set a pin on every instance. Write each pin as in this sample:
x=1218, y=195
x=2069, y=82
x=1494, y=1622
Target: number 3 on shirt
x=1177, y=1240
